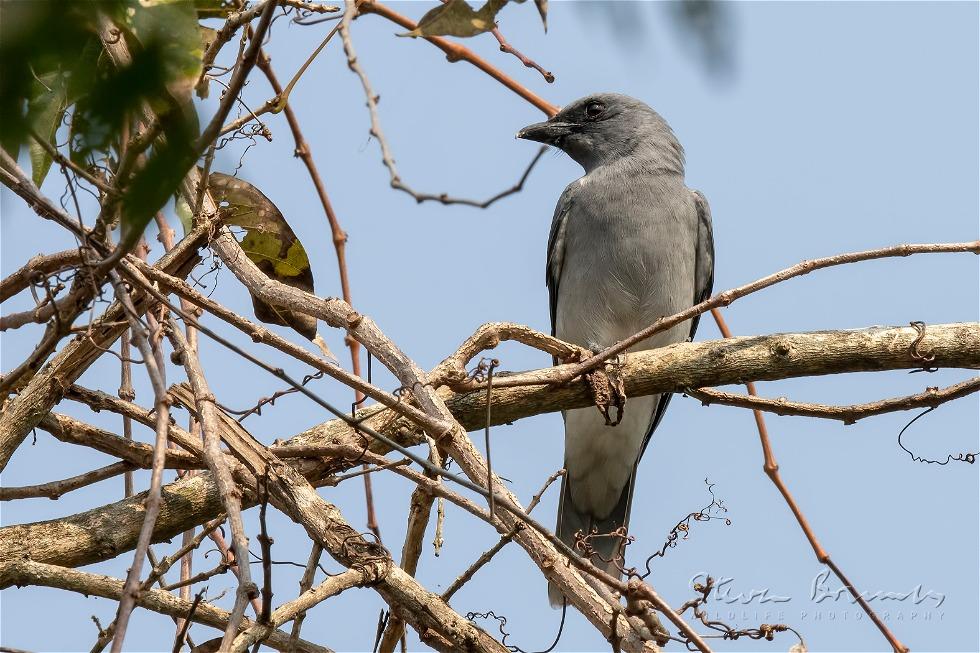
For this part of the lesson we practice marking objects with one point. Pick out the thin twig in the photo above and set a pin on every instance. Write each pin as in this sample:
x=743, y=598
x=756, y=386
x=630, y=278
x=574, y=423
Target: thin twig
x=266, y=543
x=230, y=493
x=771, y=468
x=57, y=489
x=378, y=133
x=39, y=267
x=930, y=398
x=65, y=162
x=727, y=297
x=185, y=623
x=419, y=511
x=339, y=237
x=162, y=407
x=486, y=432
x=305, y=583
x=29, y=572
x=261, y=334
x=453, y=370
x=245, y=65
x=456, y=52
x=488, y=555
x=527, y=61
x=127, y=393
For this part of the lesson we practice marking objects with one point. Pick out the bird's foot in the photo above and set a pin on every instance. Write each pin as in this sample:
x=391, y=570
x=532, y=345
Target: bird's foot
x=608, y=392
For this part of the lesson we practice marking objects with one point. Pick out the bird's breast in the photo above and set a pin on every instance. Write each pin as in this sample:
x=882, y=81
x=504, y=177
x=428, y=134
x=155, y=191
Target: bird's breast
x=628, y=260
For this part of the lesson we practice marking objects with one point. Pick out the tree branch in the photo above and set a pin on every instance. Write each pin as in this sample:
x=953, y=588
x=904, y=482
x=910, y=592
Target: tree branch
x=455, y=52
x=85, y=538
x=55, y=489
x=28, y=572
x=930, y=398
x=371, y=100
x=800, y=269
x=41, y=265
x=23, y=412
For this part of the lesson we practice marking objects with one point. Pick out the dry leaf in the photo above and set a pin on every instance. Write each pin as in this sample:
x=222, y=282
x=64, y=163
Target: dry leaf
x=457, y=18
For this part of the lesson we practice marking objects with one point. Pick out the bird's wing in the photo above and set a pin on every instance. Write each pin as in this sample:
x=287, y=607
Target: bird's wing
x=704, y=279
x=556, y=250
x=704, y=255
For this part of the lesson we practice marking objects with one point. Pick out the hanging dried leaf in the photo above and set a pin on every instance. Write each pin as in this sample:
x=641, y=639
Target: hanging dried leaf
x=270, y=243
x=457, y=18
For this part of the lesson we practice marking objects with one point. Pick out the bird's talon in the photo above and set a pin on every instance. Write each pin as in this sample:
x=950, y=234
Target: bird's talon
x=608, y=392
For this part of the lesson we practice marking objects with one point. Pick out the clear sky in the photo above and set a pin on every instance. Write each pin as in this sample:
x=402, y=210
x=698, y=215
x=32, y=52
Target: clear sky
x=840, y=127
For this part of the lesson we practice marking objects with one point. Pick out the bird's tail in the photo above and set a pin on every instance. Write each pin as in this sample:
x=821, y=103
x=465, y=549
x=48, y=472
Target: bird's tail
x=608, y=549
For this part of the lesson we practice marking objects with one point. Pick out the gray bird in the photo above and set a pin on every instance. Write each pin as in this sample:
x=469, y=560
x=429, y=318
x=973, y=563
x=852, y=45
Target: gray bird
x=629, y=243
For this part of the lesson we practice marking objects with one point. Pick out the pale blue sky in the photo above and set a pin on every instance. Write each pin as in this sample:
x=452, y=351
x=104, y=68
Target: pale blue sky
x=844, y=126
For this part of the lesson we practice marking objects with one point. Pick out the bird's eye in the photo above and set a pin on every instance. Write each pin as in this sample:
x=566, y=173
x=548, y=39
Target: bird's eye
x=594, y=110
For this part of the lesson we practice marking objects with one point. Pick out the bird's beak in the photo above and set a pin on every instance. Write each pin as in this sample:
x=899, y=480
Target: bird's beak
x=549, y=132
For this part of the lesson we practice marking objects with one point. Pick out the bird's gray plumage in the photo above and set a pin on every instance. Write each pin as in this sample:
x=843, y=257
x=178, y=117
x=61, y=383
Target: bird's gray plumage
x=629, y=243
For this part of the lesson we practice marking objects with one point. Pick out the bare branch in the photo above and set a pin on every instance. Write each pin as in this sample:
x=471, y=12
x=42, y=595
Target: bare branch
x=488, y=555
x=930, y=398
x=258, y=333
x=530, y=63
x=73, y=541
x=771, y=469
x=378, y=133
x=305, y=584
x=161, y=405
x=339, y=237
x=73, y=431
x=289, y=611
x=39, y=266
x=245, y=65
x=727, y=297
x=28, y=572
x=23, y=412
x=455, y=52
x=55, y=489
x=230, y=493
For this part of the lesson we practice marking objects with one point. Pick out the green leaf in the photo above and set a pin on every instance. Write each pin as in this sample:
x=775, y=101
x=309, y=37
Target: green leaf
x=184, y=214
x=270, y=243
x=457, y=18
x=36, y=38
x=46, y=108
x=171, y=24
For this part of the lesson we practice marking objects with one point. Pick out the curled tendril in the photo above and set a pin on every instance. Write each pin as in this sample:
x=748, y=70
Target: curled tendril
x=682, y=530
x=960, y=457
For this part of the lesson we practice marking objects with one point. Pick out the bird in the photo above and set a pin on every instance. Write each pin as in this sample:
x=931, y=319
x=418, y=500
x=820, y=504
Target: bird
x=629, y=243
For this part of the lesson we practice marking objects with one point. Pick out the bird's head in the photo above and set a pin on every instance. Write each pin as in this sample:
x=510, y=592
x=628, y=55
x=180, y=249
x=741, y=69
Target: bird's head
x=604, y=127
